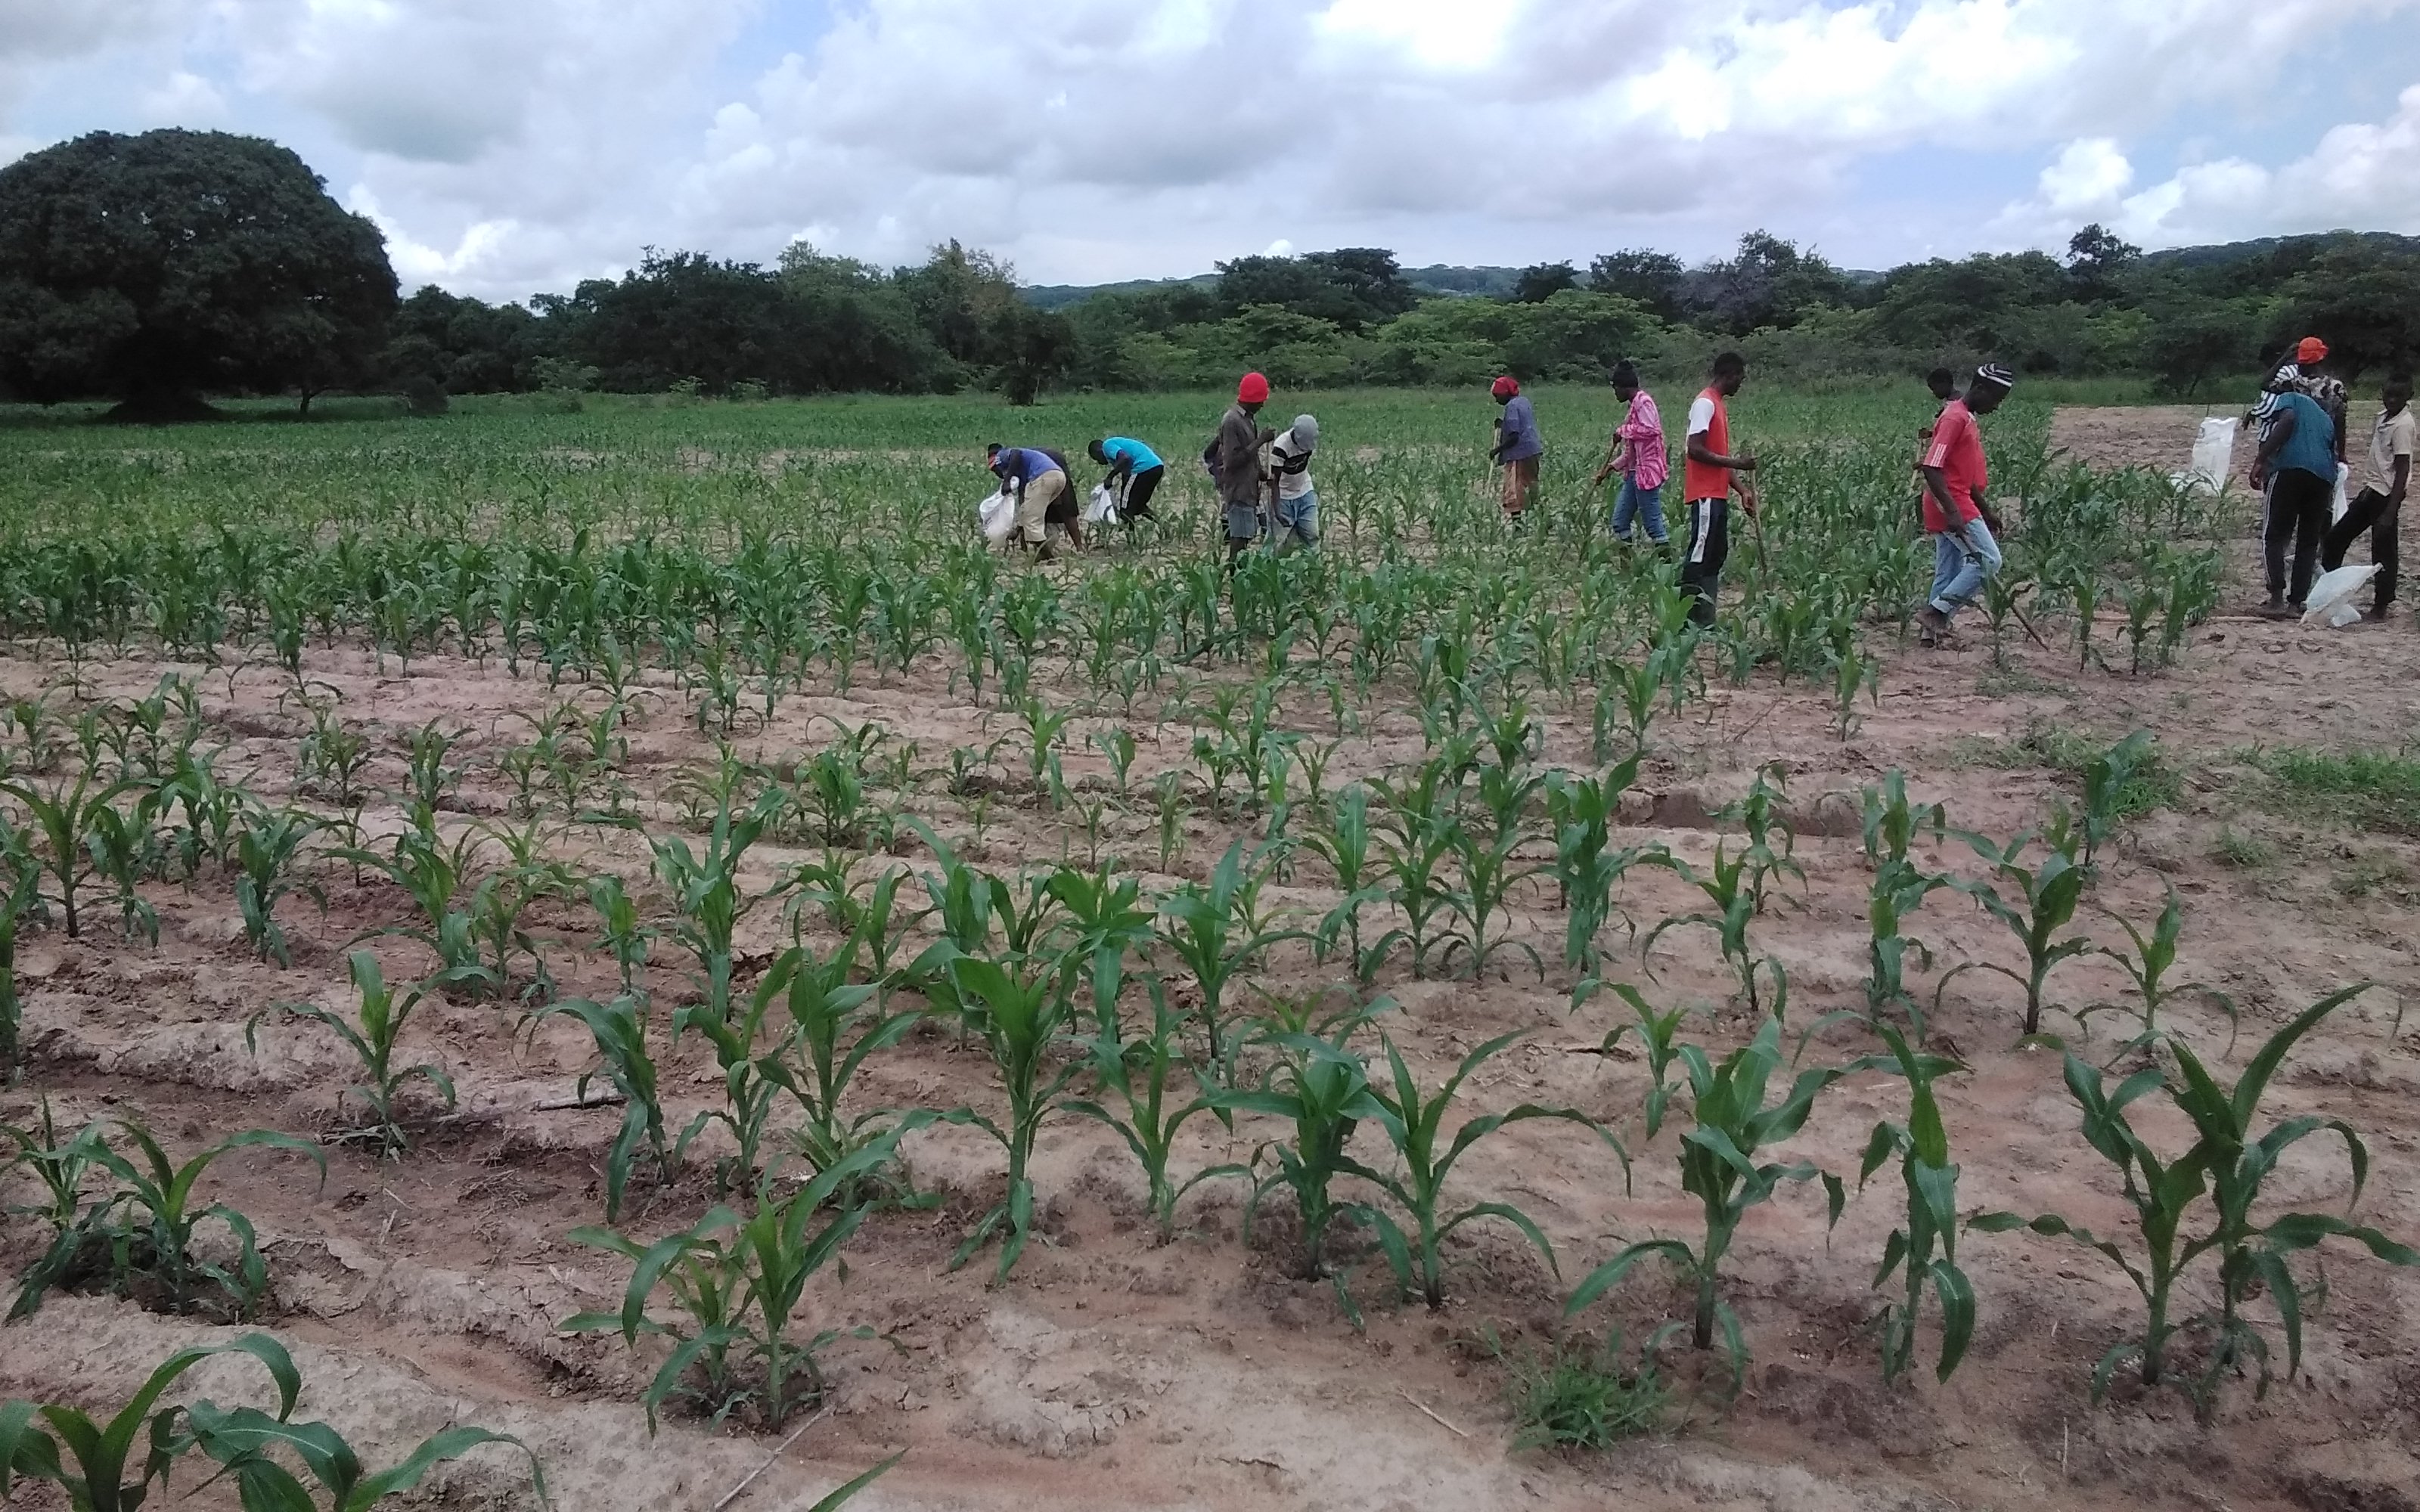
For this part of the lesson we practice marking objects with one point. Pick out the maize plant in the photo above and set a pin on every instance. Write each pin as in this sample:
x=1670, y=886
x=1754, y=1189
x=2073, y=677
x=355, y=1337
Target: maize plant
x=2050, y=893
x=2109, y=779
x=1735, y=906
x=2148, y=968
x=1023, y=1017
x=1658, y=1038
x=67, y=816
x=1323, y=1089
x=1213, y=934
x=372, y=1036
x=707, y=899
x=737, y=1284
x=1149, y=1078
x=2215, y=1182
x=267, y=850
x=832, y=1034
x=1731, y=1124
x=92, y=1472
x=142, y=1231
x=1413, y=1123
x=1925, y=1249
x=620, y=1031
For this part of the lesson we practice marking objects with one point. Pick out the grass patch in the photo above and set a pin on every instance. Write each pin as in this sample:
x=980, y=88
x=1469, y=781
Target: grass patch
x=2154, y=784
x=1581, y=1398
x=2017, y=682
x=2370, y=790
x=2242, y=850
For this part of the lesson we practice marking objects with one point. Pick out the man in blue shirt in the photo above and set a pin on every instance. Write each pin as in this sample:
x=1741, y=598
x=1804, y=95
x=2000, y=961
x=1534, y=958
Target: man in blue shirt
x=1518, y=447
x=1036, y=481
x=2297, y=463
x=1135, y=474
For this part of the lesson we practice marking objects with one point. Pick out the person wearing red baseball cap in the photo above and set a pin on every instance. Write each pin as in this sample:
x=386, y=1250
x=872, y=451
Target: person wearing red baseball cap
x=1234, y=458
x=1518, y=447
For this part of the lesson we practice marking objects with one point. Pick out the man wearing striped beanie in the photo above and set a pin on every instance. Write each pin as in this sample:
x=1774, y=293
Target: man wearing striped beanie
x=1957, y=515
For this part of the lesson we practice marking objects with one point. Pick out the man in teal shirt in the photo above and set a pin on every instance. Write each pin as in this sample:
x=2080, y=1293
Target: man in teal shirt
x=2297, y=463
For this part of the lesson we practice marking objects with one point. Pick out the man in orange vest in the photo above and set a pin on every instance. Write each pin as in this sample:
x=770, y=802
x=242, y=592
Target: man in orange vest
x=1707, y=479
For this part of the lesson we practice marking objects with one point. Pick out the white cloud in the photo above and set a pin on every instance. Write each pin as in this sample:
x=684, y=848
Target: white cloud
x=2361, y=176
x=517, y=147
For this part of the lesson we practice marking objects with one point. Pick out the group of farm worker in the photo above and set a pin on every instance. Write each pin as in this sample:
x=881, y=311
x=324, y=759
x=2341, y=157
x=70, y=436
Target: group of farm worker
x=1262, y=479
x=2301, y=419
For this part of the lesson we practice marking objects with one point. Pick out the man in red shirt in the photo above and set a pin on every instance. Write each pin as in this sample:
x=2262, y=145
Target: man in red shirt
x=1708, y=477
x=1956, y=513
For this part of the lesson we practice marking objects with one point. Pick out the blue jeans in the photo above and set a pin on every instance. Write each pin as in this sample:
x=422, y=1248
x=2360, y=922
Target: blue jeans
x=1644, y=504
x=1297, y=522
x=1961, y=561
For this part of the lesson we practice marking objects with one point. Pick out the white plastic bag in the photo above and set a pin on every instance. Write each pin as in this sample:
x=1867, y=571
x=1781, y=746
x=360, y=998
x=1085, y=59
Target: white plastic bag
x=2213, y=455
x=2344, y=502
x=2331, y=598
x=998, y=514
x=1102, y=509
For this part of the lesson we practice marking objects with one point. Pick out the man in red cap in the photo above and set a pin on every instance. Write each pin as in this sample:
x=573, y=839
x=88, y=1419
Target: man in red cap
x=1234, y=459
x=1518, y=447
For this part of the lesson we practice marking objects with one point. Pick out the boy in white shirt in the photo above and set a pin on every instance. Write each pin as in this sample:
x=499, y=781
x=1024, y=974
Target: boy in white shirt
x=1297, y=522
x=2391, y=441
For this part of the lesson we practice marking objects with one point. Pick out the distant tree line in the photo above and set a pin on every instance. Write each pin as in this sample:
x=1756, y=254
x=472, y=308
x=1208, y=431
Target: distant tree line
x=158, y=268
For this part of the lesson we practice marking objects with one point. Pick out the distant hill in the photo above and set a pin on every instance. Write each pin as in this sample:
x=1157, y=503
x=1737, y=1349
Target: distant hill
x=2233, y=252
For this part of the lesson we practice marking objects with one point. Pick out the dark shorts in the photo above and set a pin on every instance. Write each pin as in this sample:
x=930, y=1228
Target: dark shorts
x=1062, y=510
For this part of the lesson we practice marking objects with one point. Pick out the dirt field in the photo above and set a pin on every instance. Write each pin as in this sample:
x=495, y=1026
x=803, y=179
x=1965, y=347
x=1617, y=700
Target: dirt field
x=1110, y=1373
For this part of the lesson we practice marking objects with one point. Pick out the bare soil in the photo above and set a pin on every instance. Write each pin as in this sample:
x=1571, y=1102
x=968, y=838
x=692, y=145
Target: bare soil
x=1112, y=1373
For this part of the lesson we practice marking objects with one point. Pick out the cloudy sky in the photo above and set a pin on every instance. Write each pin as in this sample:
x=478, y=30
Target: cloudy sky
x=509, y=147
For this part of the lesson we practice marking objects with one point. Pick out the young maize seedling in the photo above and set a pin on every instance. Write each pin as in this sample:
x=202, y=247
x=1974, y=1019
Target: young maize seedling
x=2148, y=968
x=1148, y=1076
x=2227, y=1164
x=372, y=1035
x=1023, y=1017
x=1930, y=1186
x=1898, y=891
x=66, y=816
x=1212, y=934
x=620, y=1031
x=1489, y=874
x=1658, y=1038
x=142, y=1230
x=1890, y=823
x=432, y=873
x=239, y=1439
x=751, y=1083
x=1343, y=841
x=1759, y=817
x=267, y=849
x=1110, y=922
x=1735, y=905
x=1417, y=835
x=60, y=1166
x=92, y=1472
x=2107, y=779
x=706, y=895
x=1718, y=1167
x=1322, y=1088
x=2050, y=893
x=1582, y=811
x=832, y=1034
x=737, y=1283
x=1413, y=1124
x=621, y=930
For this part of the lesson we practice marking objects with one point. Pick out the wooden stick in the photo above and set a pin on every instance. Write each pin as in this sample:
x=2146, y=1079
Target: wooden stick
x=1425, y=1410
x=733, y=1495
x=559, y=1105
x=2018, y=610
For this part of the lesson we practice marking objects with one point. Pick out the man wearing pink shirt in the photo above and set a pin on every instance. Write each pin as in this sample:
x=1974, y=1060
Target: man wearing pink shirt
x=1638, y=455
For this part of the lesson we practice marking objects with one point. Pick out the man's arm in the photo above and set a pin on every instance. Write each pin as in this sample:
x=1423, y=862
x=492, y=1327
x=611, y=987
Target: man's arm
x=2402, y=479
x=2280, y=432
x=1937, y=482
x=1705, y=455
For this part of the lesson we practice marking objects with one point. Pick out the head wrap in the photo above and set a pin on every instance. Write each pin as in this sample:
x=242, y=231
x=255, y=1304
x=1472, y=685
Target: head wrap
x=2310, y=349
x=1506, y=387
x=1253, y=390
x=1305, y=432
x=1994, y=372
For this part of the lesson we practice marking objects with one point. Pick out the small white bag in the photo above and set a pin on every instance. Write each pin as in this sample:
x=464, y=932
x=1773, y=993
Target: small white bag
x=998, y=516
x=2331, y=598
x=1102, y=509
x=2344, y=500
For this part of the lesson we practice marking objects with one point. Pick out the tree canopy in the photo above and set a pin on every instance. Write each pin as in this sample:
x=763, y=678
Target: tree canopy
x=154, y=268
